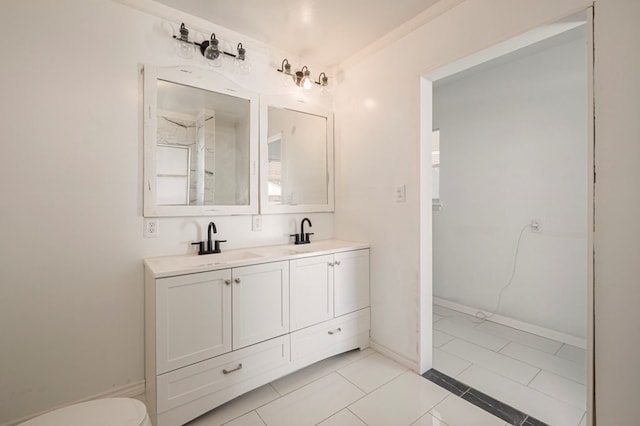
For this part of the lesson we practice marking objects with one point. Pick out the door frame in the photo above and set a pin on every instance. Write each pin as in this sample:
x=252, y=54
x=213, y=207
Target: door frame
x=426, y=118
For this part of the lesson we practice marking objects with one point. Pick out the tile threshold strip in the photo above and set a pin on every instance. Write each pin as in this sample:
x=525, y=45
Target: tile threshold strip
x=482, y=400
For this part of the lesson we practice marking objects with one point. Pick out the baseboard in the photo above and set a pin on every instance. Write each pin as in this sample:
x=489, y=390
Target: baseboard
x=514, y=323
x=126, y=391
x=409, y=363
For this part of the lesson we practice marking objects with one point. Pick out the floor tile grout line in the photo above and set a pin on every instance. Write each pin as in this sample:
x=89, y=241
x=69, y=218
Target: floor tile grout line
x=534, y=377
x=447, y=395
x=546, y=369
x=357, y=416
x=493, y=371
x=571, y=404
x=283, y=395
x=320, y=377
x=261, y=419
x=468, y=341
x=377, y=387
x=540, y=369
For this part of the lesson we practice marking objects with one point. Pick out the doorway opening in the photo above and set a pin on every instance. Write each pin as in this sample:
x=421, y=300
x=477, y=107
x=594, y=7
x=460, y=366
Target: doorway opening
x=510, y=221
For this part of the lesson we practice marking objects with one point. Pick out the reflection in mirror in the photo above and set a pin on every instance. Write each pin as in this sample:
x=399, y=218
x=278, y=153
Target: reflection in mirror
x=200, y=144
x=297, y=157
x=203, y=147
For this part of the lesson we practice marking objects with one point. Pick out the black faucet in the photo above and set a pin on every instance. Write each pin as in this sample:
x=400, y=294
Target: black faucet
x=302, y=237
x=213, y=246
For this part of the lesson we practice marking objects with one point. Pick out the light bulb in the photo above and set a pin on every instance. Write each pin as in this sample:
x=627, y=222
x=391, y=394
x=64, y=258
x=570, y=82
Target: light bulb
x=242, y=63
x=307, y=83
x=303, y=78
x=212, y=53
x=288, y=79
x=184, y=48
x=323, y=82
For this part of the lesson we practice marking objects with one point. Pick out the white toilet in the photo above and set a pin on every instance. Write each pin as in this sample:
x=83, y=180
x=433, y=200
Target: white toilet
x=99, y=412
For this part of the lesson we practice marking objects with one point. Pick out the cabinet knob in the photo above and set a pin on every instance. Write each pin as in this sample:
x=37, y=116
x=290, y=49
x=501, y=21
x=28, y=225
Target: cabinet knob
x=336, y=331
x=330, y=264
x=225, y=371
x=337, y=262
x=227, y=282
x=236, y=280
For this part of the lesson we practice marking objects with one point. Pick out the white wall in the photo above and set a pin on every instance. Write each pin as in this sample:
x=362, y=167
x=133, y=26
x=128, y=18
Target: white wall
x=377, y=140
x=71, y=280
x=514, y=148
x=377, y=137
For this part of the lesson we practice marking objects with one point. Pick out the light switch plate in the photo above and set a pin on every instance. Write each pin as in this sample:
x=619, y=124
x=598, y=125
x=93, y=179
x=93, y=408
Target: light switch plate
x=256, y=223
x=401, y=194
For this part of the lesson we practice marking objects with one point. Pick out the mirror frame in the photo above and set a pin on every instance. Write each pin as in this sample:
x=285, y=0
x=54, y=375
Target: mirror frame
x=287, y=102
x=206, y=80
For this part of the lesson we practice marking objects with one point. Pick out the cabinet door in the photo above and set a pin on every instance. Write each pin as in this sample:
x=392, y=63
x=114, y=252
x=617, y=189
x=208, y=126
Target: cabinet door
x=260, y=303
x=193, y=318
x=311, y=291
x=351, y=281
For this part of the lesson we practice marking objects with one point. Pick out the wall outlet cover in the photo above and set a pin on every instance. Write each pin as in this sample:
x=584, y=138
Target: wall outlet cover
x=151, y=227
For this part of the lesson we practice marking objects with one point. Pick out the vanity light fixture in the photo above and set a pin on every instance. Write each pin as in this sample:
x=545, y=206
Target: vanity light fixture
x=210, y=50
x=302, y=78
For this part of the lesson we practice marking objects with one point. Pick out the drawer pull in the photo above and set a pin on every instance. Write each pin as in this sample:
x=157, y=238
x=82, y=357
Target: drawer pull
x=225, y=371
x=336, y=331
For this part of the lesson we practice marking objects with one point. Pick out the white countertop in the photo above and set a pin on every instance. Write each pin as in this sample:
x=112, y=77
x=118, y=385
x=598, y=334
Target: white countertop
x=168, y=266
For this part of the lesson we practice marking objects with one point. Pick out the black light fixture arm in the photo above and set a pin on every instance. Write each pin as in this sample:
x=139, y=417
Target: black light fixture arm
x=285, y=67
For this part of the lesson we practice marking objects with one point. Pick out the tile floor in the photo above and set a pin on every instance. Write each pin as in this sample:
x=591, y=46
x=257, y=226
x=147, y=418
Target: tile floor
x=541, y=377
x=352, y=389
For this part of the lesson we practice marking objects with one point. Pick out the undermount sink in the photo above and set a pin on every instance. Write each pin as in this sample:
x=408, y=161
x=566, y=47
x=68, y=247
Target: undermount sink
x=314, y=246
x=286, y=251
x=231, y=256
x=217, y=258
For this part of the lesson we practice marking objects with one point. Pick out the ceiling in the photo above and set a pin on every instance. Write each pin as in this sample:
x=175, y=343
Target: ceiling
x=323, y=32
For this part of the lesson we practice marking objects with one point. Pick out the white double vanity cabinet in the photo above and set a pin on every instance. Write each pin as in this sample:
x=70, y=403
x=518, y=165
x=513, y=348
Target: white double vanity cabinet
x=220, y=325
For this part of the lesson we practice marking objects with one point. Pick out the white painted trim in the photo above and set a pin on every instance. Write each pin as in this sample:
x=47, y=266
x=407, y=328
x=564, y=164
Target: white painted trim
x=409, y=363
x=591, y=388
x=514, y=323
x=404, y=29
x=127, y=391
x=511, y=45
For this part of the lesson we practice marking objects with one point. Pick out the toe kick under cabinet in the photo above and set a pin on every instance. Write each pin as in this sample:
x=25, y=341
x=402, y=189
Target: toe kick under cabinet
x=215, y=330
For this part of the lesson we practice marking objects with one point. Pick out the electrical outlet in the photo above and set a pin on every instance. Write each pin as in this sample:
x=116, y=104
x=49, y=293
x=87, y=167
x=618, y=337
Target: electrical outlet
x=535, y=225
x=256, y=223
x=151, y=227
x=401, y=194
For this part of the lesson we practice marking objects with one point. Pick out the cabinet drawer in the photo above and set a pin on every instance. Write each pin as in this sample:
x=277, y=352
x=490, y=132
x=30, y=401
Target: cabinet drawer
x=331, y=337
x=207, y=377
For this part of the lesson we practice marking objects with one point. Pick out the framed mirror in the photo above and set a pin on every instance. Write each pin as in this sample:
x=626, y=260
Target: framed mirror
x=296, y=157
x=200, y=144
